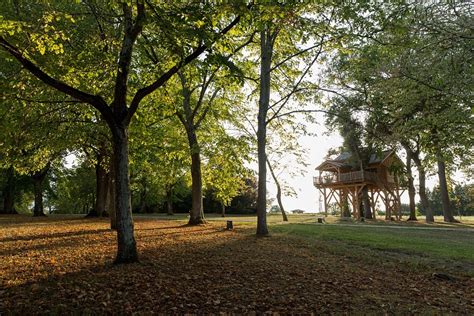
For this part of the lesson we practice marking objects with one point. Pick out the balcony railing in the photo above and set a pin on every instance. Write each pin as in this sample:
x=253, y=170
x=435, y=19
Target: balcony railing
x=349, y=177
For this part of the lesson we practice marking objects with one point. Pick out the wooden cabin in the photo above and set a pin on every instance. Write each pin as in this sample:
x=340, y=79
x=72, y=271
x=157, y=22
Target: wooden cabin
x=340, y=182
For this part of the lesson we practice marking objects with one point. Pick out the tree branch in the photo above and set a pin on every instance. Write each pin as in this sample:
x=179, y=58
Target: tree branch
x=204, y=113
x=143, y=92
x=94, y=100
x=132, y=30
x=295, y=87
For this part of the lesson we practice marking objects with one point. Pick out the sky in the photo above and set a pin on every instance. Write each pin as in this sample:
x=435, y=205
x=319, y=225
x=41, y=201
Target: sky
x=316, y=148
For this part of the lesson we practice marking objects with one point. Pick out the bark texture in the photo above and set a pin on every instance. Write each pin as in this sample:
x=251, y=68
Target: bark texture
x=443, y=185
x=38, y=179
x=266, y=54
x=9, y=193
x=196, y=215
x=425, y=204
x=127, y=249
x=102, y=183
x=411, y=186
x=110, y=200
x=345, y=211
x=366, y=203
x=169, y=201
x=222, y=210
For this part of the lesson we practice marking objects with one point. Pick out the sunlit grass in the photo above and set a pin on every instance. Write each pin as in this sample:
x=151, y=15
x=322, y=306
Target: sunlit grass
x=441, y=243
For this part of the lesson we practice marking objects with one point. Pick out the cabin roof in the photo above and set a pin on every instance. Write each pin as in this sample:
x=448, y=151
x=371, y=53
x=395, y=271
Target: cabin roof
x=342, y=160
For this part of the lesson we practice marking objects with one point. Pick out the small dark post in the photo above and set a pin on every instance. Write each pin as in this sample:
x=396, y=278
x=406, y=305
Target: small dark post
x=321, y=220
x=230, y=226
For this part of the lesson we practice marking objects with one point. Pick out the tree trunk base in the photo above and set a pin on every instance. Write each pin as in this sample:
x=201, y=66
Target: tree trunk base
x=196, y=221
x=92, y=213
x=12, y=212
x=451, y=220
x=262, y=235
x=429, y=220
x=412, y=219
x=128, y=258
x=39, y=215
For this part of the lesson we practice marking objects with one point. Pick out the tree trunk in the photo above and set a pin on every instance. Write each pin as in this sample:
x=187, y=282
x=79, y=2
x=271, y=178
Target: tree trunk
x=411, y=187
x=222, y=209
x=127, y=248
x=278, y=195
x=143, y=194
x=345, y=211
x=266, y=52
x=366, y=203
x=169, y=201
x=425, y=204
x=196, y=215
x=101, y=186
x=38, y=179
x=448, y=215
x=9, y=193
x=110, y=200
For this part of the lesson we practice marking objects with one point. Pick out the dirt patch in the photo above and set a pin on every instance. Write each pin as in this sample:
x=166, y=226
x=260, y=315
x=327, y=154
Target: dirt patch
x=65, y=266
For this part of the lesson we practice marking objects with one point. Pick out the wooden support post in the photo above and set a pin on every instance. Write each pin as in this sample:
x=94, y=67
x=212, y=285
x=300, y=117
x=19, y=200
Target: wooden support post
x=388, y=212
x=399, y=204
x=357, y=204
x=341, y=198
x=325, y=203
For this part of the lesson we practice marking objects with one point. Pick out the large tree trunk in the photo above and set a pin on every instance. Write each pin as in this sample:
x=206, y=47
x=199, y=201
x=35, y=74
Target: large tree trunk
x=196, y=215
x=411, y=187
x=127, y=248
x=9, y=193
x=278, y=195
x=266, y=52
x=448, y=214
x=425, y=204
x=366, y=203
x=38, y=179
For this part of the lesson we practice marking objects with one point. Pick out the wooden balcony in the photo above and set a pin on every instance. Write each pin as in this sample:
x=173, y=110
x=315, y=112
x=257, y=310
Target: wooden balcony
x=345, y=178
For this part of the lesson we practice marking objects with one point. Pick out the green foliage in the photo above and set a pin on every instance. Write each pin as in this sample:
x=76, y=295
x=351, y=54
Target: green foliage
x=74, y=189
x=408, y=82
x=461, y=197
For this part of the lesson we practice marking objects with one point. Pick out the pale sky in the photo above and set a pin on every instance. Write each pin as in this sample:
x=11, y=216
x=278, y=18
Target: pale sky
x=316, y=148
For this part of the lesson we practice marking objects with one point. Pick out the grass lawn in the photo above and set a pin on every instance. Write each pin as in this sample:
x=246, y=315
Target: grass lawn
x=63, y=265
x=420, y=243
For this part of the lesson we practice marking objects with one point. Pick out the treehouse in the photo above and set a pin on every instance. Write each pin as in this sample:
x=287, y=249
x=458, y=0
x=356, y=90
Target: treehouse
x=342, y=180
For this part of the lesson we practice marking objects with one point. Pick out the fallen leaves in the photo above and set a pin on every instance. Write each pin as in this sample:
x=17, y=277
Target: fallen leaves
x=53, y=266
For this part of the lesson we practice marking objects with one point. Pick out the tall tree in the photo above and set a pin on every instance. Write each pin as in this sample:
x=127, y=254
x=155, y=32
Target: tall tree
x=119, y=107
x=285, y=36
